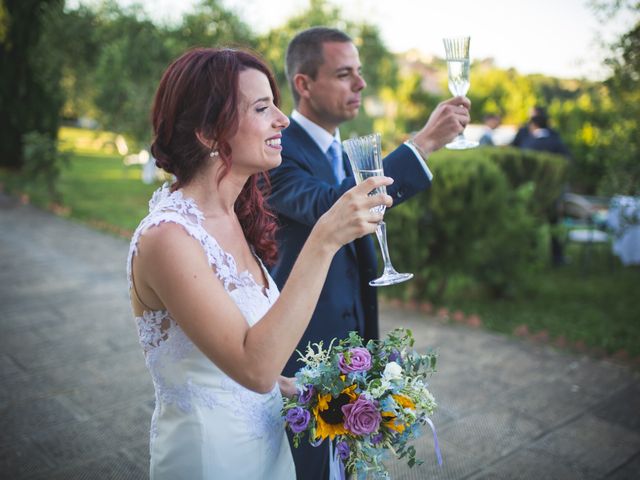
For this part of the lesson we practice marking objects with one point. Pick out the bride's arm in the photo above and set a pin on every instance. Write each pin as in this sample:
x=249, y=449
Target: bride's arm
x=171, y=267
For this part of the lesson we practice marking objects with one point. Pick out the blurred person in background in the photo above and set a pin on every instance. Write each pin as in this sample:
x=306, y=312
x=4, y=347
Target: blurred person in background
x=539, y=136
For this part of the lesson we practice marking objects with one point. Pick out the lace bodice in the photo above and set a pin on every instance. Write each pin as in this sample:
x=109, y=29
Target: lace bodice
x=166, y=206
x=185, y=380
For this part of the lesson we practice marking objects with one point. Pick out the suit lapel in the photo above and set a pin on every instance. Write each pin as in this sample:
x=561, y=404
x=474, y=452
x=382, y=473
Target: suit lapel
x=316, y=158
x=318, y=162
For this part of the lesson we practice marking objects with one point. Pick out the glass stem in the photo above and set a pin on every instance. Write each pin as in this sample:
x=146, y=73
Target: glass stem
x=381, y=233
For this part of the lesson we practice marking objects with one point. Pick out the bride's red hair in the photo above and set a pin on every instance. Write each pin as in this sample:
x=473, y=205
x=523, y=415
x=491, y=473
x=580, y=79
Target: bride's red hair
x=199, y=93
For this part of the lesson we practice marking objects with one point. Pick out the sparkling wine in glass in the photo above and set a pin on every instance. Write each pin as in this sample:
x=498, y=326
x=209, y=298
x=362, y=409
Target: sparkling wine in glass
x=457, y=56
x=365, y=156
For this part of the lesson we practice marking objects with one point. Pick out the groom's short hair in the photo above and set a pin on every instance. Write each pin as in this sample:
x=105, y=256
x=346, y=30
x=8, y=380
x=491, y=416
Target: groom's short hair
x=304, y=53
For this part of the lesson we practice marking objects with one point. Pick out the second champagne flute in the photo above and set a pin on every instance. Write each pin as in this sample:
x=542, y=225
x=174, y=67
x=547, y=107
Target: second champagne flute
x=365, y=157
x=457, y=56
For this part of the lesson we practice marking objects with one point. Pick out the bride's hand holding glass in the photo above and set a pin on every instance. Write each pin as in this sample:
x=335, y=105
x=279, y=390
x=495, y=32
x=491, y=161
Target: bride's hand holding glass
x=355, y=215
x=365, y=157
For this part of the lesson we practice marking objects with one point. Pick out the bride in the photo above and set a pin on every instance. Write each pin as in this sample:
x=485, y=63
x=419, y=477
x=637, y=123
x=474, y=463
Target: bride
x=214, y=329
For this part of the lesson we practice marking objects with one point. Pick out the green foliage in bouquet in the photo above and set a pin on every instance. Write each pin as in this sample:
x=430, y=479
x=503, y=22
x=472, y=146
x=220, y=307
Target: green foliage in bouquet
x=367, y=398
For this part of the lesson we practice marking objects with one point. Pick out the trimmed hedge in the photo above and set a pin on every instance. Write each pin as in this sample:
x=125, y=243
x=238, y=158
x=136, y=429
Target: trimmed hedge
x=484, y=217
x=546, y=171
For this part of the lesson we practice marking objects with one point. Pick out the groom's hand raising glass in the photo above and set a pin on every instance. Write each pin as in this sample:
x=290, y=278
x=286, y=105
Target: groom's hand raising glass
x=446, y=121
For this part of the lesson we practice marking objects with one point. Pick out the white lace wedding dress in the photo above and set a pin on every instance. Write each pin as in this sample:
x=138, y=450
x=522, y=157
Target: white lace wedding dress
x=205, y=425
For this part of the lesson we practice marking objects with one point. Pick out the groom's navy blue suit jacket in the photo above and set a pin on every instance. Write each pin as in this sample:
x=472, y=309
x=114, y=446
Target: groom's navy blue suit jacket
x=303, y=188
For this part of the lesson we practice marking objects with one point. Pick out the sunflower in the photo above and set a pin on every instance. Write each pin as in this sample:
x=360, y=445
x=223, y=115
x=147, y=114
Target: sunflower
x=328, y=413
x=390, y=418
x=404, y=402
x=391, y=424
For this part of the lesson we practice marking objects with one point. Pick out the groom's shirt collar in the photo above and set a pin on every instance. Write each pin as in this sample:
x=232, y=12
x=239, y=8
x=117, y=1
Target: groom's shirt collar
x=319, y=135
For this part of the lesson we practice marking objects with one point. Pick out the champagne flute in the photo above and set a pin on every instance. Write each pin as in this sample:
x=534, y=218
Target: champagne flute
x=457, y=56
x=365, y=156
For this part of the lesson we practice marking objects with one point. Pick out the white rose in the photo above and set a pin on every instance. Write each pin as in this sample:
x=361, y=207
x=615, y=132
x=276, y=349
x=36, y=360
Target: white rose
x=392, y=371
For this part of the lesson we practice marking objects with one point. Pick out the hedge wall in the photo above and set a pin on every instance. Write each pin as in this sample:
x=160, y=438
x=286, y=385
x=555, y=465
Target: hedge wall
x=485, y=217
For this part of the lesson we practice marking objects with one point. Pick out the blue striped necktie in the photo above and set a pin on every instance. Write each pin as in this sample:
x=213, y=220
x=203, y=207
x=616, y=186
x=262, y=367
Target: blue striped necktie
x=335, y=157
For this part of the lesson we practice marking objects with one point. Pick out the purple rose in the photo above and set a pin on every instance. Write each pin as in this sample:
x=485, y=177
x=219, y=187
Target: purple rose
x=343, y=450
x=359, y=361
x=377, y=438
x=307, y=394
x=362, y=416
x=298, y=419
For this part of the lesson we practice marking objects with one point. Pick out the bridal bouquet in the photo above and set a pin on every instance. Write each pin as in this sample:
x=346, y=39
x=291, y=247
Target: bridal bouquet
x=366, y=399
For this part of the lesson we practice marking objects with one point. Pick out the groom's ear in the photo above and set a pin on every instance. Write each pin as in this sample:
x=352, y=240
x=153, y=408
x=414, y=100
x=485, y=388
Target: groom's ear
x=302, y=83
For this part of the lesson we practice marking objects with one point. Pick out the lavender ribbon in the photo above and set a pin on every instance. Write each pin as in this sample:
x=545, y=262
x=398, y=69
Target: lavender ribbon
x=336, y=467
x=315, y=443
x=435, y=441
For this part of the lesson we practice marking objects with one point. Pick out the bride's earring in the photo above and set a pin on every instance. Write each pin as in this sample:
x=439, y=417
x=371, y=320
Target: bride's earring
x=214, y=153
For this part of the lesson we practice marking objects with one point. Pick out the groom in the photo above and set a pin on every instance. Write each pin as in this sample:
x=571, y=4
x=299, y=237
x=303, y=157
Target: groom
x=324, y=73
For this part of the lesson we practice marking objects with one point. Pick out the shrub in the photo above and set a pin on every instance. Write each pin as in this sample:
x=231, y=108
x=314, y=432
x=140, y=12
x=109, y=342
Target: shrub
x=470, y=222
x=547, y=172
x=43, y=164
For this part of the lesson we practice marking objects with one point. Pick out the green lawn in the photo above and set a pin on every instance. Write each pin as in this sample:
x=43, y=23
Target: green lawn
x=100, y=189
x=97, y=187
x=593, y=303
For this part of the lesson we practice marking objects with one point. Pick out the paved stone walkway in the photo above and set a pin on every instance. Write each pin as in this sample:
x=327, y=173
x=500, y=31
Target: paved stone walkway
x=76, y=400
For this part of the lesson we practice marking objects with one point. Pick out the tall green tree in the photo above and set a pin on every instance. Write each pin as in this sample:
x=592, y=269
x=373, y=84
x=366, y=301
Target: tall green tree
x=128, y=67
x=30, y=96
x=132, y=52
x=612, y=128
x=211, y=25
x=74, y=45
x=623, y=174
